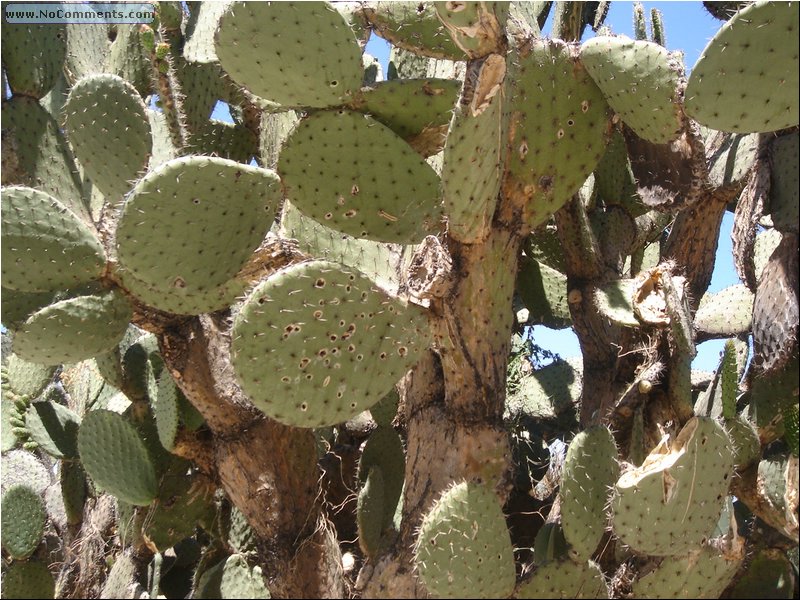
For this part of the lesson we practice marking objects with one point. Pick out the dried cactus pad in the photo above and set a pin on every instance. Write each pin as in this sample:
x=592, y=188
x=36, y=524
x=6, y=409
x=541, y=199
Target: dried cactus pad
x=109, y=132
x=353, y=174
x=189, y=226
x=747, y=80
x=45, y=246
x=672, y=502
x=316, y=343
x=464, y=549
x=265, y=48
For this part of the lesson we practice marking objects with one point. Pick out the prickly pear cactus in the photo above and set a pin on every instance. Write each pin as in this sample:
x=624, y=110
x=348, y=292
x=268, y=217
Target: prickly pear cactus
x=271, y=324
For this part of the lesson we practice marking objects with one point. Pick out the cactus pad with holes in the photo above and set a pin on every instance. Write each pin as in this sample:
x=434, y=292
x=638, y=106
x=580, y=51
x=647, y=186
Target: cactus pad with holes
x=747, y=80
x=108, y=129
x=559, y=117
x=286, y=69
x=353, y=174
x=640, y=82
x=45, y=246
x=464, y=549
x=316, y=343
x=672, y=502
x=116, y=458
x=189, y=226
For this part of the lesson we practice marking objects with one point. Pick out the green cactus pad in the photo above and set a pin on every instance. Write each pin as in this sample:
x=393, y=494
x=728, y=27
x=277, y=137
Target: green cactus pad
x=279, y=33
x=672, y=502
x=108, y=129
x=45, y=246
x=411, y=106
x=226, y=140
x=73, y=330
x=784, y=192
x=746, y=445
x=166, y=411
x=731, y=159
x=183, y=502
x=44, y=160
x=33, y=56
x=200, y=28
x=613, y=177
x=565, y=579
x=549, y=392
x=366, y=182
x=22, y=467
x=614, y=300
x=240, y=581
x=371, y=509
x=115, y=457
x=315, y=344
x=375, y=259
x=23, y=521
x=27, y=378
x=129, y=59
x=640, y=81
x=703, y=573
x=220, y=211
x=727, y=312
x=384, y=449
x=121, y=578
x=54, y=427
x=559, y=116
x=544, y=292
x=413, y=26
x=73, y=490
x=9, y=411
x=549, y=544
x=473, y=164
x=590, y=471
x=241, y=536
x=770, y=574
x=18, y=306
x=747, y=79
x=464, y=548
x=28, y=579
x=385, y=411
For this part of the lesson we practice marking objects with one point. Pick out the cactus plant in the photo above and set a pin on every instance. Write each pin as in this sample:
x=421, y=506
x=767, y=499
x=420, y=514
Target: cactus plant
x=206, y=315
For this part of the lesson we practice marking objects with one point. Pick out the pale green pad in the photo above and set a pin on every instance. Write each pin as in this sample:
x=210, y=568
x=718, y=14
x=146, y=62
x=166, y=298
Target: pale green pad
x=45, y=246
x=464, y=549
x=33, y=56
x=472, y=169
x=409, y=106
x=73, y=330
x=565, y=579
x=54, y=427
x=23, y=521
x=747, y=79
x=413, y=26
x=165, y=410
x=590, y=471
x=673, y=501
x=200, y=28
x=544, y=292
x=18, y=306
x=128, y=58
x=725, y=313
x=28, y=579
x=353, y=174
x=115, y=457
x=20, y=466
x=703, y=573
x=239, y=581
x=27, y=378
x=640, y=82
x=732, y=160
x=315, y=344
x=549, y=392
x=189, y=226
x=784, y=192
x=559, y=118
x=44, y=158
x=108, y=129
x=265, y=48
x=615, y=302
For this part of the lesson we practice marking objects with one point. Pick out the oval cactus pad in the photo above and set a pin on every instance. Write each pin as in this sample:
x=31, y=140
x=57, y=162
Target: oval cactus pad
x=316, y=343
x=353, y=174
x=191, y=224
x=264, y=46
